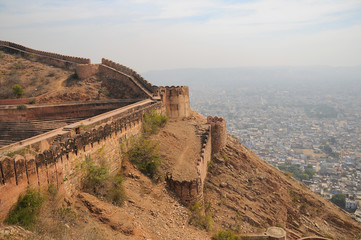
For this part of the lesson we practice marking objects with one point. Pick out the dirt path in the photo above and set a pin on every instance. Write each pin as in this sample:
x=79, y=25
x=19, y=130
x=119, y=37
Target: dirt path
x=180, y=147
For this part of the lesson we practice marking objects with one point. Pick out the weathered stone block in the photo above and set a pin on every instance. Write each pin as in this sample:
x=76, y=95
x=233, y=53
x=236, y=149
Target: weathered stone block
x=31, y=170
x=7, y=166
x=20, y=170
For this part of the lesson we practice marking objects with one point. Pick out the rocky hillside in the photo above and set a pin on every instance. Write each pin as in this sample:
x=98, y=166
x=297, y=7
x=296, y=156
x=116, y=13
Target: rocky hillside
x=242, y=193
x=46, y=83
x=248, y=195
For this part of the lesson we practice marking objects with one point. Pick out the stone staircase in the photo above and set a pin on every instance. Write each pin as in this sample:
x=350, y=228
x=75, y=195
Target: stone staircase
x=11, y=132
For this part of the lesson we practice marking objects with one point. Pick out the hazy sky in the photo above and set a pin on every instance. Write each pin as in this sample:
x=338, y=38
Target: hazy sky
x=166, y=34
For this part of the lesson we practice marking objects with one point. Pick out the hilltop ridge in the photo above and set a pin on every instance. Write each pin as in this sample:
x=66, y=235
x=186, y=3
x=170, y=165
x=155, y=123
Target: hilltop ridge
x=203, y=166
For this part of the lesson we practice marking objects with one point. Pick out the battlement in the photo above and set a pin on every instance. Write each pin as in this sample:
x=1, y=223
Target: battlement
x=53, y=59
x=54, y=156
x=218, y=132
x=86, y=70
x=129, y=72
x=192, y=190
x=176, y=100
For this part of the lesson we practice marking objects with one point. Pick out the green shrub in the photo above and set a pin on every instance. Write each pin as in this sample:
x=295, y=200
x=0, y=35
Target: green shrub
x=144, y=154
x=152, y=122
x=66, y=215
x=18, y=65
x=51, y=73
x=18, y=90
x=32, y=101
x=21, y=152
x=52, y=190
x=2, y=54
x=99, y=182
x=116, y=194
x=225, y=235
x=21, y=107
x=25, y=211
x=198, y=218
x=96, y=177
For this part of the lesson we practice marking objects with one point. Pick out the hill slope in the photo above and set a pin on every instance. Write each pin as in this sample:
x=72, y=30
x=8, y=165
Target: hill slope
x=248, y=195
x=243, y=193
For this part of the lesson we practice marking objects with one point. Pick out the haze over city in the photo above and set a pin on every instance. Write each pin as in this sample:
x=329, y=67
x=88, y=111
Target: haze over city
x=157, y=35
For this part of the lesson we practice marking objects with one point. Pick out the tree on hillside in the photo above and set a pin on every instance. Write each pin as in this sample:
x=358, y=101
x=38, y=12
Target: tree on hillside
x=18, y=90
x=339, y=199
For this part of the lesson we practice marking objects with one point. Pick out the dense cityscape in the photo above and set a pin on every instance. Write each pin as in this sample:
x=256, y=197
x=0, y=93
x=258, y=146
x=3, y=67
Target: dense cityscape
x=315, y=134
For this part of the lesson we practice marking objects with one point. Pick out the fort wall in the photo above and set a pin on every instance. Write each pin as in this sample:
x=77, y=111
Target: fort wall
x=122, y=84
x=86, y=70
x=190, y=191
x=53, y=59
x=56, y=157
x=11, y=113
x=218, y=132
x=176, y=100
x=130, y=72
x=15, y=101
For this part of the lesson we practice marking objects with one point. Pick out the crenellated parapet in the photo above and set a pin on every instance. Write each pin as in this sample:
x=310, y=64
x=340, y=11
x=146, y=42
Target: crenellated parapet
x=84, y=71
x=218, y=132
x=45, y=57
x=54, y=157
x=176, y=100
x=130, y=72
x=189, y=191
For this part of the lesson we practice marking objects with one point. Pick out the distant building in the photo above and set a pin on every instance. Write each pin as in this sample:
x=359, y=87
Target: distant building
x=351, y=205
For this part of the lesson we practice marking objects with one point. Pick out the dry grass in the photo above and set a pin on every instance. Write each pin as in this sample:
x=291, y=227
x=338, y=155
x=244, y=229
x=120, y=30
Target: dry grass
x=35, y=78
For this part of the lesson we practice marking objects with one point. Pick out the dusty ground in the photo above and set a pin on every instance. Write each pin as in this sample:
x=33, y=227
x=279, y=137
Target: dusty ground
x=245, y=194
x=47, y=83
x=150, y=212
x=248, y=195
x=180, y=146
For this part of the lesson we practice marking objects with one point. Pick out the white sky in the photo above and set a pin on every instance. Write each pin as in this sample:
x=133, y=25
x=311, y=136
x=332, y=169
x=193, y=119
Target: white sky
x=167, y=34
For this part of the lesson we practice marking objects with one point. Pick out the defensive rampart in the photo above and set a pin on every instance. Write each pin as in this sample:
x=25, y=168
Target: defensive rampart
x=219, y=132
x=189, y=191
x=130, y=72
x=11, y=113
x=176, y=100
x=120, y=88
x=56, y=157
x=17, y=124
x=213, y=140
x=53, y=59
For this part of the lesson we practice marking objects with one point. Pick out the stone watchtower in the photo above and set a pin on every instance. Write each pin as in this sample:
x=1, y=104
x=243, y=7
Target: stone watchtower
x=86, y=70
x=218, y=133
x=176, y=101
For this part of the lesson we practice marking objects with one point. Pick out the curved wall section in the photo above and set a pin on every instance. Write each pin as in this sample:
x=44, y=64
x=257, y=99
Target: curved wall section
x=53, y=59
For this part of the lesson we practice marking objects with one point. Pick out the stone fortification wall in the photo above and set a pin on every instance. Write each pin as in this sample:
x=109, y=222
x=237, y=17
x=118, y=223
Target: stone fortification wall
x=19, y=124
x=15, y=101
x=56, y=157
x=218, y=132
x=190, y=191
x=176, y=100
x=53, y=59
x=86, y=70
x=314, y=238
x=11, y=113
x=130, y=72
x=119, y=84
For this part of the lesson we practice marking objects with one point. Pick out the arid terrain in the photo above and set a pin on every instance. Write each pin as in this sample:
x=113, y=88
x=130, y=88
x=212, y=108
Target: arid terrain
x=46, y=83
x=242, y=192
